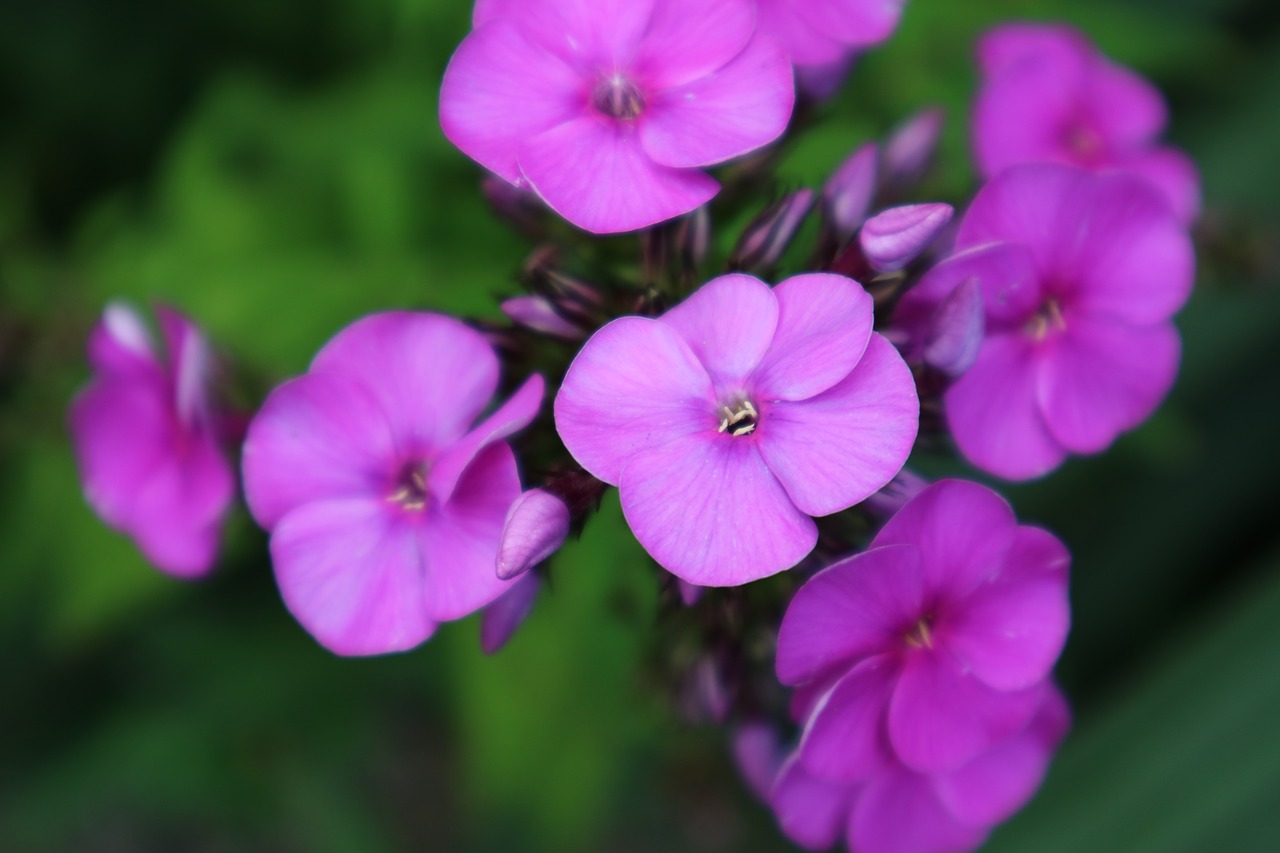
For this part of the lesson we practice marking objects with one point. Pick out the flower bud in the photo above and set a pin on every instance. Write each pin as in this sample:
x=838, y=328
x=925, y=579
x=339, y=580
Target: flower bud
x=766, y=239
x=909, y=151
x=895, y=237
x=956, y=330
x=848, y=194
x=903, y=487
x=536, y=526
x=537, y=313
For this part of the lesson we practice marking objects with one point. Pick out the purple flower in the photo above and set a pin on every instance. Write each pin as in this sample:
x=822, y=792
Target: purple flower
x=931, y=646
x=1048, y=95
x=823, y=36
x=610, y=109
x=384, y=503
x=901, y=811
x=147, y=439
x=736, y=416
x=1080, y=275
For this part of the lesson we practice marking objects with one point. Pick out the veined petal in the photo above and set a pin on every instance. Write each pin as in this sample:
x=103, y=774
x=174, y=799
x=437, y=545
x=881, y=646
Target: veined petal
x=841, y=446
x=594, y=172
x=351, y=573
x=824, y=323
x=844, y=738
x=1102, y=378
x=635, y=385
x=901, y=812
x=688, y=39
x=706, y=507
x=726, y=113
x=728, y=323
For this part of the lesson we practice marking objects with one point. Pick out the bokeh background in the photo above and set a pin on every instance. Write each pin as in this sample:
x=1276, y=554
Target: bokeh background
x=276, y=169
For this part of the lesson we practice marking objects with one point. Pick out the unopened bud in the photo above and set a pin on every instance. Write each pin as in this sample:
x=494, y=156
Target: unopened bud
x=536, y=526
x=895, y=237
x=902, y=488
x=537, y=313
x=910, y=149
x=848, y=194
x=956, y=330
x=766, y=239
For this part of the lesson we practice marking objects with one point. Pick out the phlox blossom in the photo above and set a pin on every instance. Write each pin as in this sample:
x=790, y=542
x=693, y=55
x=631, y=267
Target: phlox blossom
x=384, y=496
x=610, y=109
x=148, y=439
x=729, y=421
x=822, y=37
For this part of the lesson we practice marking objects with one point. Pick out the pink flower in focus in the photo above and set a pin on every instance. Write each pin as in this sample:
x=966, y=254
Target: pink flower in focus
x=1048, y=95
x=1080, y=275
x=384, y=502
x=931, y=646
x=822, y=37
x=609, y=109
x=730, y=420
x=147, y=440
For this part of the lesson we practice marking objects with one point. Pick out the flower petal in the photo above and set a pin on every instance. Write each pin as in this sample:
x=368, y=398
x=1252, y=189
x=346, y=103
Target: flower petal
x=729, y=112
x=843, y=740
x=824, y=323
x=840, y=447
x=857, y=23
x=503, y=617
x=499, y=89
x=688, y=39
x=1005, y=272
x=120, y=343
x=806, y=44
x=728, y=323
x=1128, y=110
x=901, y=812
x=635, y=385
x=994, y=413
x=848, y=611
x=707, y=509
x=1103, y=378
x=190, y=365
x=812, y=812
x=350, y=572
x=1175, y=174
x=511, y=417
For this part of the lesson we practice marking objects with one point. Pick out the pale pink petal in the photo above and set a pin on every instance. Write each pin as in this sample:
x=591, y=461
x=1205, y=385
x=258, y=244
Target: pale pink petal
x=535, y=527
x=1102, y=378
x=460, y=539
x=430, y=374
x=844, y=739
x=728, y=323
x=941, y=717
x=901, y=812
x=835, y=449
x=502, y=618
x=351, y=573
x=853, y=609
x=707, y=509
x=1175, y=174
x=635, y=385
x=736, y=109
x=824, y=323
x=1010, y=632
x=964, y=532
x=857, y=23
x=317, y=437
x=812, y=812
x=511, y=417
x=994, y=411
x=501, y=88
x=687, y=39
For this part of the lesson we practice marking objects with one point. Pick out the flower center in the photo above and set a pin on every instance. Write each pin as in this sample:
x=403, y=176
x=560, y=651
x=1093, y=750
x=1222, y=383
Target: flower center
x=1085, y=142
x=1048, y=318
x=920, y=636
x=740, y=419
x=411, y=487
x=617, y=97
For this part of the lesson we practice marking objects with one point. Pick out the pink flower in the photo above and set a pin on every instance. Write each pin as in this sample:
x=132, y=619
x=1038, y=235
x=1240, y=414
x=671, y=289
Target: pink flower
x=147, y=440
x=384, y=503
x=1080, y=275
x=1048, y=95
x=823, y=36
x=931, y=646
x=736, y=416
x=609, y=109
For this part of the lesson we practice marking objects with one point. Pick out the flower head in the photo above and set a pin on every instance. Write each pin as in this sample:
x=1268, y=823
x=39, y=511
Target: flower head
x=823, y=36
x=609, y=109
x=931, y=646
x=730, y=420
x=1080, y=275
x=1048, y=95
x=384, y=499
x=147, y=439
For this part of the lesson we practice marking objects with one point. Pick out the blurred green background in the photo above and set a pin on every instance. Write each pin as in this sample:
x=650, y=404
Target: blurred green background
x=276, y=169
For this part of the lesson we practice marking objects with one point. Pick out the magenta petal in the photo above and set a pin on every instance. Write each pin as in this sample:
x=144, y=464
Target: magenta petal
x=1126, y=109
x=501, y=88
x=1028, y=204
x=1025, y=116
x=594, y=173
x=1010, y=633
x=538, y=314
x=941, y=716
x=351, y=573
x=535, y=527
x=687, y=39
x=512, y=416
x=1103, y=378
x=120, y=343
x=758, y=755
x=843, y=740
x=964, y=532
x=635, y=385
x=806, y=44
x=824, y=323
x=851, y=610
x=1003, y=48
x=841, y=446
x=1175, y=174
x=812, y=812
x=728, y=323
x=191, y=365
x=460, y=539
x=956, y=330
x=901, y=812
x=1006, y=275
x=894, y=238
x=317, y=437
x=727, y=113
x=430, y=374
x=504, y=616
x=709, y=511
x=858, y=23
x=848, y=193
x=994, y=412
